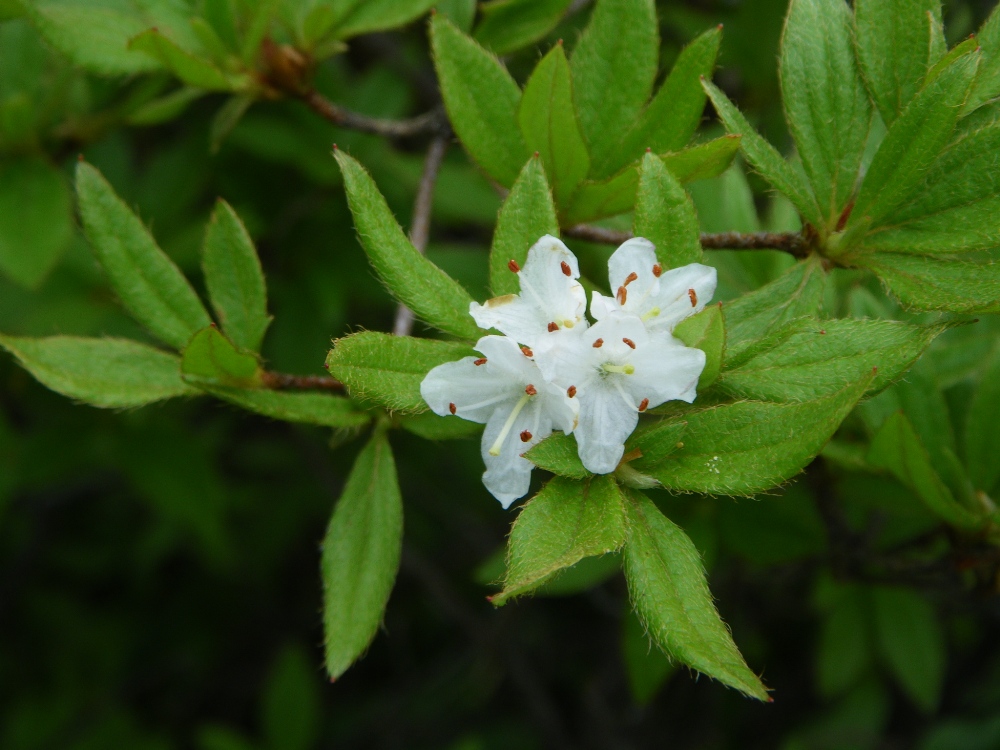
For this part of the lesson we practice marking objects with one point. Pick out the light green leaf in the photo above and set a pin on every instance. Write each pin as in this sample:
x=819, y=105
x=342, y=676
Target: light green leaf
x=36, y=223
x=148, y=283
x=194, y=71
x=955, y=284
x=558, y=454
x=110, y=373
x=549, y=125
x=301, y=407
x=666, y=581
x=748, y=446
x=982, y=430
x=482, y=101
x=893, y=38
x=211, y=359
x=430, y=426
x=527, y=215
x=388, y=369
x=429, y=292
x=379, y=15
x=826, y=104
x=509, y=25
x=705, y=330
x=361, y=554
x=234, y=279
x=809, y=358
x=614, y=65
x=565, y=522
x=664, y=215
x=766, y=159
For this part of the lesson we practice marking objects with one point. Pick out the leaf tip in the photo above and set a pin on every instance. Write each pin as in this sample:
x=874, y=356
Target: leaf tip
x=535, y=155
x=559, y=42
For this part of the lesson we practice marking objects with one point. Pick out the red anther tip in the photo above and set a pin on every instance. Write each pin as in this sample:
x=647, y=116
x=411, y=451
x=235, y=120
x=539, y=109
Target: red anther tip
x=657, y=270
x=629, y=343
x=822, y=333
x=525, y=436
x=567, y=271
x=630, y=278
x=649, y=150
x=527, y=352
x=644, y=404
x=531, y=390
x=693, y=296
x=553, y=326
x=536, y=154
x=599, y=343
x=480, y=361
x=513, y=266
x=452, y=408
x=571, y=391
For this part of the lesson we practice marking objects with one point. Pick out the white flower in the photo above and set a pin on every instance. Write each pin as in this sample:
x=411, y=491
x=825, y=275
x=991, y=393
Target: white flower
x=616, y=369
x=505, y=390
x=641, y=287
x=551, y=298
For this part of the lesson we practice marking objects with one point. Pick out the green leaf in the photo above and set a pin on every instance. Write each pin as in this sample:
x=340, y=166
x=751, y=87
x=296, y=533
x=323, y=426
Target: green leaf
x=956, y=284
x=361, y=554
x=388, y=369
x=430, y=426
x=415, y=281
x=460, y=12
x=549, y=125
x=527, y=215
x=301, y=407
x=194, y=71
x=558, y=454
x=234, y=279
x=913, y=142
x=164, y=108
x=211, y=359
x=614, y=65
x=228, y=117
x=897, y=449
x=987, y=83
x=826, y=104
x=893, y=38
x=982, y=430
x=565, y=522
x=380, y=15
x=647, y=667
x=482, y=101
x=811, y=358
x=748, y=446
x=666, y=580
x=796, y=293
x=36, y=223
x=845, y=649
x=110, y=373
x=616, y=195
x=291, y=708
x=664, y=215
x=509, y=25
x=705, y=330
x=912, y=643
x=765, y=158
x=148, y=283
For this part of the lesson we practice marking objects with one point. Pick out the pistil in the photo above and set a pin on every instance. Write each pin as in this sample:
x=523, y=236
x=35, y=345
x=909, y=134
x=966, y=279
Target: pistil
x=495, y=448
x=624, y=369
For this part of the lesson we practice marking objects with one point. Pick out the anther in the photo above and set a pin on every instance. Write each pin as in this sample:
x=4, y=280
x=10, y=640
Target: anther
x=530, y=390
x=480, y=361
x=571, y=391
x=630, y=278
x=553, y=326
x=525, y=436
x=599, y=343
x=452, y=408
x=622, y=295
x=512, y=265
x=527, y=352
x=643, y=404
x=566, y=269
x=657, y=270
x=630, y=342
x=693, y=296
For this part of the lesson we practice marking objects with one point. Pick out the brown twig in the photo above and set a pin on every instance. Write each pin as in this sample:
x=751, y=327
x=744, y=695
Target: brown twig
x=278, y=381
x=420, y=226
x=429, y=122
x=790, y=242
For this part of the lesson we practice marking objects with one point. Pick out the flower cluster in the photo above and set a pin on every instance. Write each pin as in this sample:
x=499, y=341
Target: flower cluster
x=554, y=370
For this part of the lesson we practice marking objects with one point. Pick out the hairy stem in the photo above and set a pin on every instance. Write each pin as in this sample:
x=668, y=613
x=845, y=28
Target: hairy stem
x=429, y=122
x=278, y=381
x=790, y=242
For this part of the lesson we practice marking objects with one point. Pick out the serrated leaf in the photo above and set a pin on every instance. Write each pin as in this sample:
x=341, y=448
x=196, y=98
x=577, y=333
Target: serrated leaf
x=429, y=292
x=211, y=359
x=147, y=282
x=666, y=580
x=548, y=124
x=379, y=15
x=235, y=279
x=509, y=25
x=764, y=158
x=665, y=215
x=705, y=330
x=388, y=369
x=430, y=426
x=482, y=101
x=826, y=104
x=748, y=446
x=193, y=70
x=565, y=522
x=109, y=373
x=809, y=358
x=893, y=37
x=982, y=430
x=302, y=407
x=614, y=65
x=558, y=454
x=361, y=554
x=526, y=216
x=958, y=284
x=36, y=223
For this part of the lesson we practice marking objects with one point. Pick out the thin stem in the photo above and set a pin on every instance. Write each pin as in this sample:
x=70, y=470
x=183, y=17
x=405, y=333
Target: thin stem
x=279, y=381
x=429, y=122
x=420, y=226
x=790, y=242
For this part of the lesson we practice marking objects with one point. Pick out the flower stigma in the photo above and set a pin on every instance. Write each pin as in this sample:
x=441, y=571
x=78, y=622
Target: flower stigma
x=498, y=443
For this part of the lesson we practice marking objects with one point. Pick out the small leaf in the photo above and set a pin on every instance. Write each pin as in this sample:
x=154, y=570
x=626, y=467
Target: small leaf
x=321, y=409
x=664, y=215
x=109, y=373
x=415, y=281
x=509, y=25
x=982, y=429
x=955, y=284
x=235, y=280
x=388, y=369
x=558, y=454
x=565, y=522
x=706, y=331
x=148, y=283
x=194, y=71
x=549, y=125
x=379, y=15
x=666, y=580
x=361, y=554
x=482, y=101
x=211, y=359
x=526, y=216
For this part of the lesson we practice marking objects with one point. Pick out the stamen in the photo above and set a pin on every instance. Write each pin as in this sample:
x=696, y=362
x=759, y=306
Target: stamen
x=571, y=391
x=599, y=343
x=513, y=266
x=644, y=404
x=531, y=390
x=452, y=408
x=630, y=343
x=498, y=443
x=553, y=326
x=655, y=312
x=480, y=361
x=566, y=269
x=693, y=296
x=657, y=270
x=625, y=369
x=527, y=352
x=525, y=436
x=622, y=295
x=630, y=278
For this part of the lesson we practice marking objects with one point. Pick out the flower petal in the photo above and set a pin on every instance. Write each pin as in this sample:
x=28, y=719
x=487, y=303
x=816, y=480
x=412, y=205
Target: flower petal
x=475, y=392
x=683, y=292
x=606, y=421
x=638, y=256
x=508, y=475
x=665, y=370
